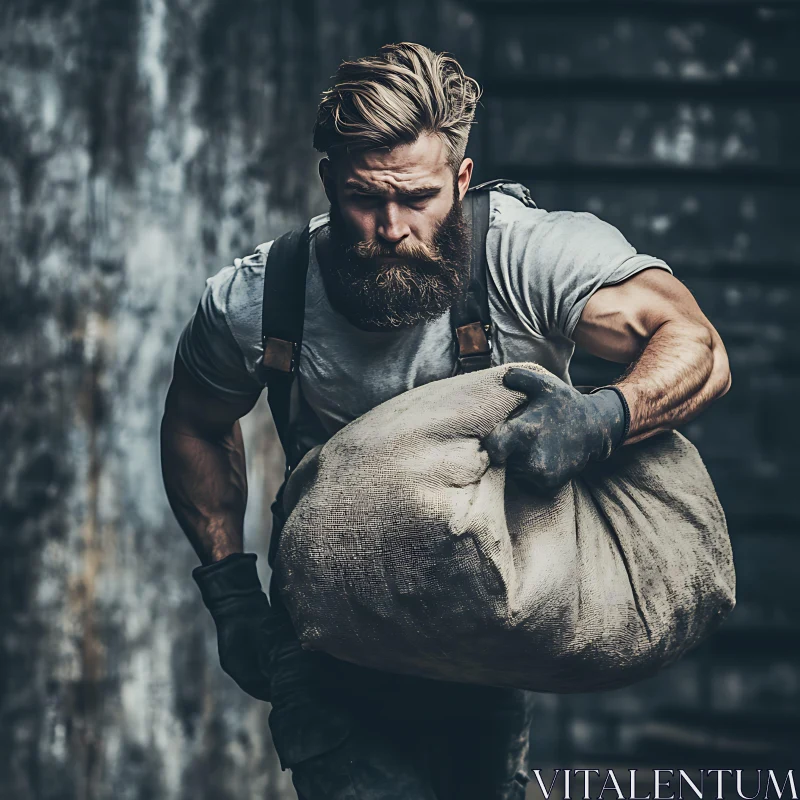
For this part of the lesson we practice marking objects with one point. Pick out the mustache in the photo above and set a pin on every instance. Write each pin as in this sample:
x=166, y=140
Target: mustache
x=419, y=252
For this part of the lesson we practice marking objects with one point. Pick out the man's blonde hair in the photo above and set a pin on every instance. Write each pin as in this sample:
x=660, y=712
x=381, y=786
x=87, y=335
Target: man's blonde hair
x=393, y=97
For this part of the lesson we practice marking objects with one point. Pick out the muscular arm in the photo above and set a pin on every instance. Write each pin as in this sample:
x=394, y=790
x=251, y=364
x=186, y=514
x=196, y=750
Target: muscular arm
x=203, y=465
x=679, y=364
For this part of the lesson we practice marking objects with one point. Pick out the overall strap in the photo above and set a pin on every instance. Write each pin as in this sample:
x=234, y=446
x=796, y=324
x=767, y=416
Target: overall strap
x=469, y=317
x=512, y=188
x=282, y=315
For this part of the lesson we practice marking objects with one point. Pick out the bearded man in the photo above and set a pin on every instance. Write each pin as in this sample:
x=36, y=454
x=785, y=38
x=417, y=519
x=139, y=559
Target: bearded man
x=384, y=268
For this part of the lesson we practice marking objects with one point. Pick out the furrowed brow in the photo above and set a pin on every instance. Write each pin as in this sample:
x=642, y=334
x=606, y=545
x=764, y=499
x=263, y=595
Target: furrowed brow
x=362, y=187
x=417, y=191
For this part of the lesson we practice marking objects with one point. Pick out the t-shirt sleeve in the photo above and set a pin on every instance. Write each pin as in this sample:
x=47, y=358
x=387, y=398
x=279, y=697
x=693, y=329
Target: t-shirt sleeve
x=220, y=343
x=549, y=263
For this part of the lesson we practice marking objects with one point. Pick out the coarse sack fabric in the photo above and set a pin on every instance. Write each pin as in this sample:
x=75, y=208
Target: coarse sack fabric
x=406, y=550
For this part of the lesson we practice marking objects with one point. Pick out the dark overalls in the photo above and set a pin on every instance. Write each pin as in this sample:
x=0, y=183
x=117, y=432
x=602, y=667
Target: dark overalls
x=352, y=733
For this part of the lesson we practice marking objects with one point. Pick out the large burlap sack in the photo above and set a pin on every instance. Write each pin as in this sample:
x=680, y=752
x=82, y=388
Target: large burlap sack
x=405, y=550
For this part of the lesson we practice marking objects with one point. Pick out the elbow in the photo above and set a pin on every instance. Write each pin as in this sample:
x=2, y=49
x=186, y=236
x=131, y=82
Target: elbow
x=720, y=378
x=725, y=384
x=714, y=359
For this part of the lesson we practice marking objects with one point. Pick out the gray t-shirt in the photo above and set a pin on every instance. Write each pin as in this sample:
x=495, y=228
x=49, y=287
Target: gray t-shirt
x=543, y=268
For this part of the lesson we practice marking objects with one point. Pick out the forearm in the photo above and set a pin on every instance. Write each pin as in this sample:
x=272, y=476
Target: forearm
x=682, y=369
x=206, y=483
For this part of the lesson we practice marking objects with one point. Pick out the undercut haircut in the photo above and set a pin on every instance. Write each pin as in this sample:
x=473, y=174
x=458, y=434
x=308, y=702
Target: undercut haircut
x=393, y=97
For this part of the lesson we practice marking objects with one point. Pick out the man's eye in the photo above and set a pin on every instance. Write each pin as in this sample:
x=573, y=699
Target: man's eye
x=420, y=201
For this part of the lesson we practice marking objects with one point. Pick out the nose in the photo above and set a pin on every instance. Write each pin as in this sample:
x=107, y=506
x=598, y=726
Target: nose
x=391, y=227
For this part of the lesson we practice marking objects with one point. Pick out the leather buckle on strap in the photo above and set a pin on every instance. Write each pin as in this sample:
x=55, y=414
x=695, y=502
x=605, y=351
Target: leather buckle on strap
x=474, y=346
x=278, y=354
x=472, y=339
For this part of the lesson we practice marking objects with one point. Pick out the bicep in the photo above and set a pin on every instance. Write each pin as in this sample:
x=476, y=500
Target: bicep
x=193, y=408
x=618, y=321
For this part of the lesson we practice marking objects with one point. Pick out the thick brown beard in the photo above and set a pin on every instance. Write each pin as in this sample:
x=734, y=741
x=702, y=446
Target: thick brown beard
x=376, y=295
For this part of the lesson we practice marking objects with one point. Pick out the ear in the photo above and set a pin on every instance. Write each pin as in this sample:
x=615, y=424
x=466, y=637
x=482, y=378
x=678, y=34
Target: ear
x=328, y=183
x=464, y=177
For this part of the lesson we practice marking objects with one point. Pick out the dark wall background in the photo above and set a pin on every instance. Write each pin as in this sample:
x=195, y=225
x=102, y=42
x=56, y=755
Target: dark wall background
x=146, y=143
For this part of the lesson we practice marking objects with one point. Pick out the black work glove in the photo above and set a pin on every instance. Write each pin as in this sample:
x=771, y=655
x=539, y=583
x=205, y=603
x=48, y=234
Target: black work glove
x=232, y=593
x=558, y=432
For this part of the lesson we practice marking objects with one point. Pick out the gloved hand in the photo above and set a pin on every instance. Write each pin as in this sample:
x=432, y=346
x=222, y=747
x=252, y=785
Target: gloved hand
x=560, y=430
x=232, y=593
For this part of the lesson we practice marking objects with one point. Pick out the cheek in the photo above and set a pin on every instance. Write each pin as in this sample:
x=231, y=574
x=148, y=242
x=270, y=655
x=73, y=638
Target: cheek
x=361, y=223
x=426, y=224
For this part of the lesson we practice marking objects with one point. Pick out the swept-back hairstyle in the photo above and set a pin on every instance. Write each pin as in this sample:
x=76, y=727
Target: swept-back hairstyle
x=393, y=97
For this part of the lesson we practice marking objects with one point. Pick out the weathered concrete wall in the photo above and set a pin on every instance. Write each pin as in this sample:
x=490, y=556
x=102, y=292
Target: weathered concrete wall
x=145, y=143
x=131, y=168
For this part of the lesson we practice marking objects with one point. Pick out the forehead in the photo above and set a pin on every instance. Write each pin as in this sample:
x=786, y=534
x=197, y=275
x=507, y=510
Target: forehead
x=403, y=167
